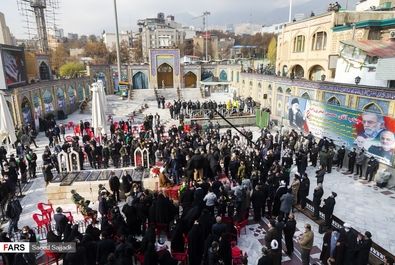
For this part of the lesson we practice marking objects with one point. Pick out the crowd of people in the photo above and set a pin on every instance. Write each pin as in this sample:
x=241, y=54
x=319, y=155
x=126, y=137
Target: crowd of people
x=200, y=158
x=222, y=175
x=180, y=109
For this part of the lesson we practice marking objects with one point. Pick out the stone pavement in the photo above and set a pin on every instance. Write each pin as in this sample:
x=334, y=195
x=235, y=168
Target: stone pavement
x=361, y=204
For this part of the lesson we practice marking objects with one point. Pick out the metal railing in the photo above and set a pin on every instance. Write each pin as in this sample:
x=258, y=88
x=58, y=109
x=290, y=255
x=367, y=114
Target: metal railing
x=205, y=113
x=41, y=232
x=377, y=253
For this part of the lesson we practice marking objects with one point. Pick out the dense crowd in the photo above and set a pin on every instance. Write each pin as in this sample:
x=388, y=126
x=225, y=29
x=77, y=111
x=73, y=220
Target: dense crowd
x=180, y=109
x=222, y=176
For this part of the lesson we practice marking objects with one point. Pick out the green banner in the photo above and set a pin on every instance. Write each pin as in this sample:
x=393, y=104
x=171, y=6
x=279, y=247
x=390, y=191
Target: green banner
x=258, y=116
x=262, y=118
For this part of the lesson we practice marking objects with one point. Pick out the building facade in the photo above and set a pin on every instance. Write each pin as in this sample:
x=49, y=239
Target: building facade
x=110, y=39
x=31, y=103
x=160, y=32
x=369, y=5
x=309, y=48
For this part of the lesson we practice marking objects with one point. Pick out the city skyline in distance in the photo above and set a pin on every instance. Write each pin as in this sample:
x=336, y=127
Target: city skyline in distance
x=89, y=17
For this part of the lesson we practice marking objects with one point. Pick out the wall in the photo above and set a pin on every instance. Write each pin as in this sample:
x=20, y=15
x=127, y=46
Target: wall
x=32, y=102
x=348, y=76
x=325, y=22
x=350, y=96
x=236, y=121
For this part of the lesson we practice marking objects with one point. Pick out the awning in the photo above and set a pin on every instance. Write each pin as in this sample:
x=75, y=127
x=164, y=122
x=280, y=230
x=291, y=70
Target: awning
x=379, y=48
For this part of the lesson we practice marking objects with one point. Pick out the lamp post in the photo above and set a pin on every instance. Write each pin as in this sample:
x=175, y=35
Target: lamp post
x=117, y=42
x=357, y=80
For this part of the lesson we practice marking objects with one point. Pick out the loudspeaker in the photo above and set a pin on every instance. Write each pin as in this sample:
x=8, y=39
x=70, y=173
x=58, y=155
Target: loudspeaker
x=264, y=96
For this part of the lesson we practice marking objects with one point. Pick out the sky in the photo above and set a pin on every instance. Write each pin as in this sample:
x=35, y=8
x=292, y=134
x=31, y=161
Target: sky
x=93, y=16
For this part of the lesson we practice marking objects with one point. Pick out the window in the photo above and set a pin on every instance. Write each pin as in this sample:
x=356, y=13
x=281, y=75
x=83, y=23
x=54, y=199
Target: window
x=373, y=107
x=279, y=90
x=334, y=101
x=319, y=41
x=299, y=43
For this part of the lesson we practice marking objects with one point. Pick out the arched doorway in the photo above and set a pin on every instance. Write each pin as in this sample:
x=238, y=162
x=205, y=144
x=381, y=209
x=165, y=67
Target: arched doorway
x=306, y=95
x=27, y=111
x=140, y=81
x=316, y=72
x=45, y=74
x=223, y=76
x=165, y=76
x=190, y=79
x=298, y=71
x=206, y=74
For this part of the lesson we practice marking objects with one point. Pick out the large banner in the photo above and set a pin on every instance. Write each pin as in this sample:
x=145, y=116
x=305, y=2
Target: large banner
x=352, y=128
x=13, y=64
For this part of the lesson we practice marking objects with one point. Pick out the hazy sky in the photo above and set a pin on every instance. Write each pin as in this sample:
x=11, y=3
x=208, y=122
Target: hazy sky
x=93, y=16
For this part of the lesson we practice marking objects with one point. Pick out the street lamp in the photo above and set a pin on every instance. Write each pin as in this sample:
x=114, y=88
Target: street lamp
x=357, y=80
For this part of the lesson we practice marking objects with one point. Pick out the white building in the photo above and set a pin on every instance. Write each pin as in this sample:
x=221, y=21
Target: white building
x=247, y=28
x=160, y=33
x=5, y=34
x=110, y=39
x=57, y=33
x=361, y=59
x=76, y=52
x=369, y=5
x=275, y=28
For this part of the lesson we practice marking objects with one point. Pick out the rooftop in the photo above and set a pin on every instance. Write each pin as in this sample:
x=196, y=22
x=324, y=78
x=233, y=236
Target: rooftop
x=379, y=48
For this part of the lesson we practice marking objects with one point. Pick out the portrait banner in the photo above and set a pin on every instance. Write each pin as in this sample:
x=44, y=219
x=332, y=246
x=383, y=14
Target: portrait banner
x=352, y=128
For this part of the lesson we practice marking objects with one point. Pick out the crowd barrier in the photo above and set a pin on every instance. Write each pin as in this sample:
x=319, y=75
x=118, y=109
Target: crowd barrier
x=377, y=253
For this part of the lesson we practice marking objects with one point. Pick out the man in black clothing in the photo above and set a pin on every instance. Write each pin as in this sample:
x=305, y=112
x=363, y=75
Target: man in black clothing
x=13, y=212
x=350, y=237
x=351, y=160
x=304, y=190
x=258, y=200
x=340, y=156
x=371, y=168
x=114, y=185
x=364, y=243
x=318, y=193
x=82, y=127
x=289, y=231
x=105, y=247
x=328, y=208
x=265, y=259
x=314, y=154
x=60, y=221
x=218, y=228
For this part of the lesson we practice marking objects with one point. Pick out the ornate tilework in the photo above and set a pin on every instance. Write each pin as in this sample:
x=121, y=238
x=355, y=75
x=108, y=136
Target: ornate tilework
x=384, y=105
x=378, y=92
x=154, y=63
x=340, y=97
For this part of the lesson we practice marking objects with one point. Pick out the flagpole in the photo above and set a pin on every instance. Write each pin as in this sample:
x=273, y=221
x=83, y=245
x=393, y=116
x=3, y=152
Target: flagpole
x=290, y=11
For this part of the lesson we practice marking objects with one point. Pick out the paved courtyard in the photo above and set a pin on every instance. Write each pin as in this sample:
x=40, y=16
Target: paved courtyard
x=359, y=203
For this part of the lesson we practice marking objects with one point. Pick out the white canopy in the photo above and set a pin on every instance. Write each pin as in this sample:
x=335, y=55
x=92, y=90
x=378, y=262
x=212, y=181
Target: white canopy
x=102, y=94
x=98, y=113
x=7, y=128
